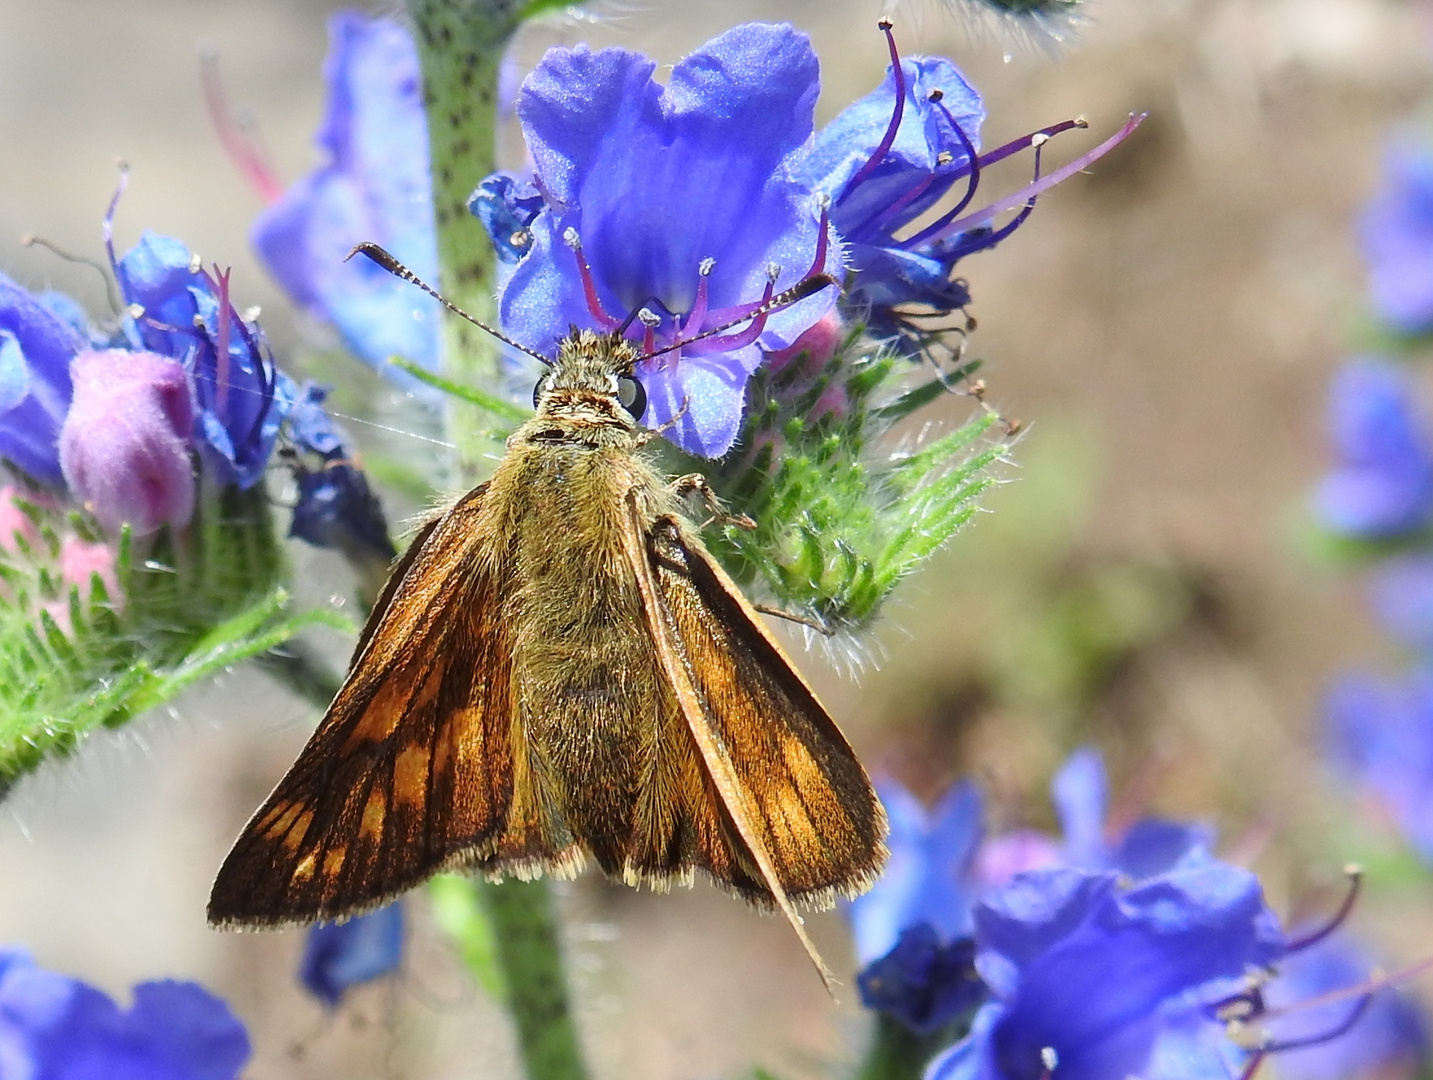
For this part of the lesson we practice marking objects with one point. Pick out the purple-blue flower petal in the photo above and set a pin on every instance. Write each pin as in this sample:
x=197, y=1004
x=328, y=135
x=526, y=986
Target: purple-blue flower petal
x=843, y=147
x=1080, y=791
x=373, y=186
x=36, y=348
x=927, y=878
x=1401, y=593
x=1154, y=846
x=1391, y=1031
x=1083, y=994
x=923, y=982
x=1397, y=230
x=338, y=956
x=56, y=1028
x=1380, y=735
x=241, y=399
x=654, y=180
x=1383, y=483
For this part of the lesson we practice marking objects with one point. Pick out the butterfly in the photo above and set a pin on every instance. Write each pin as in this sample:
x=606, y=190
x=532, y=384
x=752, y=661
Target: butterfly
x=558, y=670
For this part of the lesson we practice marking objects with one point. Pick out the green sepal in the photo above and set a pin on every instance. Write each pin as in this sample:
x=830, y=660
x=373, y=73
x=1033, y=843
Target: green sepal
x=188, y=606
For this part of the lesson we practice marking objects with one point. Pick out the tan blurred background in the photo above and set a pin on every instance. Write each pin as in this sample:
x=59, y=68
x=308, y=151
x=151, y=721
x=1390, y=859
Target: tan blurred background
x=1166, y=327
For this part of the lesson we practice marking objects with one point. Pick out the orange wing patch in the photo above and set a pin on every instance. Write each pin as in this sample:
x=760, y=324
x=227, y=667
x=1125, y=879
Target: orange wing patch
x=411, y=768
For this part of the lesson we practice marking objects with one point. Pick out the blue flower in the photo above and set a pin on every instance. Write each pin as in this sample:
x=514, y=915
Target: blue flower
x=341, y=955
x=912, y=927
x=374, y=185
x=1400, y=591
x=1080, y=792
x=1397, y=229
x=887, y=162
x=1380, y=735
x=1383, y=485
x=57, y=1028
x=924, y=982
x=184, y=313
x=36, y=347
x=678, y=200
x=336, y=508
x=927, y=878
x=1086, y=974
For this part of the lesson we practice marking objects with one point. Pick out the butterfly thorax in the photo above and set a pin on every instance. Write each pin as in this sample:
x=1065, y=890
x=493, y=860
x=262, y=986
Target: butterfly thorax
x=577, y=398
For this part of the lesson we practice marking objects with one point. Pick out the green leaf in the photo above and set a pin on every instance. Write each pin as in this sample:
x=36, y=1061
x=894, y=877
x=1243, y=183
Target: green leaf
x=504, y=410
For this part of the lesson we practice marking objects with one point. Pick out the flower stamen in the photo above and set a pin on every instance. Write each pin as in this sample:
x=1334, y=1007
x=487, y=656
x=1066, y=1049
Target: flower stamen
x=238, y=135
x=1355, y=886
x=589, y=286
x=889, y=138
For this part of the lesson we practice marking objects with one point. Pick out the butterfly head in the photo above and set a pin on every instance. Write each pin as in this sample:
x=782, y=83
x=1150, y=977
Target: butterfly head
x=592, y=380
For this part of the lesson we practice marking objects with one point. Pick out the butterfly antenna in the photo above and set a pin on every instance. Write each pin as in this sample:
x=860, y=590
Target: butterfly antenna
x=804, y=288
x=380, y=256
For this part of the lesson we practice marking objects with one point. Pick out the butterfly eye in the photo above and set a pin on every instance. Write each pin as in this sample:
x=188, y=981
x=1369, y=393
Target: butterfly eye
x=537, y=390
x=632, y=396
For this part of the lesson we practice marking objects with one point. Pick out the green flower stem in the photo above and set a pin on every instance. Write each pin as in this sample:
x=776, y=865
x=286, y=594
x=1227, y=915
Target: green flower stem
x=460, y=48
x=524, y=928
x=896, y=1052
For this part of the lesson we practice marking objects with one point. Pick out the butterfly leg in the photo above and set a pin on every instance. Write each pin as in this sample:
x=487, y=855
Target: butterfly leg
x=810, y=623
x=697, y=484
x=644, y=437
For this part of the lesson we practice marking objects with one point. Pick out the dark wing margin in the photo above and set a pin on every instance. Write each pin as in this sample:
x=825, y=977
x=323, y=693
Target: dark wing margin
x=410, y=769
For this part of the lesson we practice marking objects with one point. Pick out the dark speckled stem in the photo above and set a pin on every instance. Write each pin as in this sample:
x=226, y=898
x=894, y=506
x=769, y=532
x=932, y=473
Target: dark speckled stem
x=460, y=47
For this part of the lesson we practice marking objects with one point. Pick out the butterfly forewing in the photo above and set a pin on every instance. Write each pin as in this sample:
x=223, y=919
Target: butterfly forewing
x=411, y=768
x=802, y=787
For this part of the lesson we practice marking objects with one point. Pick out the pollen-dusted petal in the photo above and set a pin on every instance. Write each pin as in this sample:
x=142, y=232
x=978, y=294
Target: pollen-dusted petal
x=125, y=445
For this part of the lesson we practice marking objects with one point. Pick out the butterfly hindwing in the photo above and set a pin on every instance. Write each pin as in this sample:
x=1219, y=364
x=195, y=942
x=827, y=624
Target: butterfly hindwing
x=411, y=769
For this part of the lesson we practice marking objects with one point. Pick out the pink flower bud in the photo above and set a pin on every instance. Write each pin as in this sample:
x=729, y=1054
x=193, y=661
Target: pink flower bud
x=124, y=446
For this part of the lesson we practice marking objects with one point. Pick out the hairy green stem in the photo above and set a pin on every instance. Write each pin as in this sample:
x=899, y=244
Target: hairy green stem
x=460, y=48
x=524, y=928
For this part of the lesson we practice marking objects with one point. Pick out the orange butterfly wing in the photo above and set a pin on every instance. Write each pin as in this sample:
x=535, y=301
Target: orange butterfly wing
x=779, y=775
x=416, y=766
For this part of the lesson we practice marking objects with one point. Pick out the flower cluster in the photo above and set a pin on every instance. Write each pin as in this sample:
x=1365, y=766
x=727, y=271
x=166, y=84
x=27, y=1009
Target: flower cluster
x=150, y=435
x=1132, y=952
x=1378, y=500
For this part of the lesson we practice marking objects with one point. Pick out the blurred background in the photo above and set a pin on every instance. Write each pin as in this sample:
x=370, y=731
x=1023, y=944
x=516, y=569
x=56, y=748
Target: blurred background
x=1147, y=580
